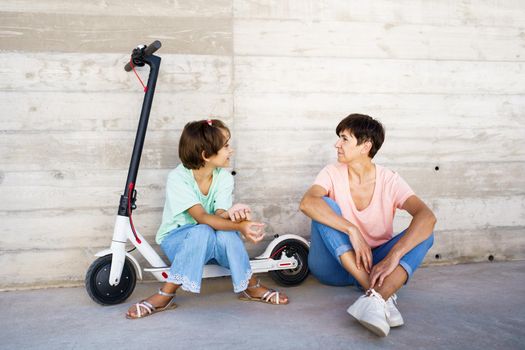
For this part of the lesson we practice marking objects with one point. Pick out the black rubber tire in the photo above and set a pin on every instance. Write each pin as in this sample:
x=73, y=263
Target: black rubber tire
x=291, y=277
x=97, y=282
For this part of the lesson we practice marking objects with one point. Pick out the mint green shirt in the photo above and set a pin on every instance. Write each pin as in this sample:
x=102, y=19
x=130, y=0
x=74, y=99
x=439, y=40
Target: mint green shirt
x=182, y=193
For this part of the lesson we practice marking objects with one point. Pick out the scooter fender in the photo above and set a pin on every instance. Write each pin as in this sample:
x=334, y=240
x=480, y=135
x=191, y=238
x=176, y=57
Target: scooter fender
x=266, y=254
x=128, y=255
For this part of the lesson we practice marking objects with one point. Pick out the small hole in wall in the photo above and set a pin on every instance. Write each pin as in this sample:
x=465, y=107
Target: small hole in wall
x=436, y=168
x=234, y=172
x=438, y=256
x=491, y=257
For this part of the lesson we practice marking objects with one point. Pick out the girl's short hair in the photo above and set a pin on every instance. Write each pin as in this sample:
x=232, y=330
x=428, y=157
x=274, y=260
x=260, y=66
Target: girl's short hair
x=198, y=136
x=364, y=128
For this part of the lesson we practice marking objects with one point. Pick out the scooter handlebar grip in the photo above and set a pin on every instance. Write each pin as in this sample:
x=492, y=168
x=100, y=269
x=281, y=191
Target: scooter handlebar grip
x=127, y=67
x=150, y=50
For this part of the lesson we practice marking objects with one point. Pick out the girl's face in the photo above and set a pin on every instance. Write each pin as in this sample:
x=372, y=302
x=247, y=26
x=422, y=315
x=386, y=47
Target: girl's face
x=222, y=158
x=347, y=148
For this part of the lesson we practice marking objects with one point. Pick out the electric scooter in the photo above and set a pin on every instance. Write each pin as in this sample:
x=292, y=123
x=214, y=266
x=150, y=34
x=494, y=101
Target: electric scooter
x=112, y=277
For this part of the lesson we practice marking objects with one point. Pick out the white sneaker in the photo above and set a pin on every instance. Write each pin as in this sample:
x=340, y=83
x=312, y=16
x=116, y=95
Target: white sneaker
x=370, y=310
x=393, y=316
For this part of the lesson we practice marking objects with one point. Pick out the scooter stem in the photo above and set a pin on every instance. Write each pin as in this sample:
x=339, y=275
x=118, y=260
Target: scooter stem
x=154, y=63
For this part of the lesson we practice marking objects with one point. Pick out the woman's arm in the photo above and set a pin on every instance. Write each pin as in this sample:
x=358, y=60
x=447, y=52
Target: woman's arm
x=420, y=228
x=313, y=206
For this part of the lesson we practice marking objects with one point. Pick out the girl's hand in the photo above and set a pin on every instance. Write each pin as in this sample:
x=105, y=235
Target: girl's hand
x=240, y=212
x=252, y=231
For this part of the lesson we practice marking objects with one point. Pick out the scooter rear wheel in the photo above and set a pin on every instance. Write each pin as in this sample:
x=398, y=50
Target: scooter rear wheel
x=299, y=251
x=97, y=282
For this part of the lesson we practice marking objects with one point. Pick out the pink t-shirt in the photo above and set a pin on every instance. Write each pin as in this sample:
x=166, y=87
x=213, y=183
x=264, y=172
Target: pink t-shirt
x=375, y=221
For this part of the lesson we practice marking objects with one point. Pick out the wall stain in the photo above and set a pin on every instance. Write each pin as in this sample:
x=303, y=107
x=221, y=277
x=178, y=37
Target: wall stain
x=271, y=211
x=57, y=174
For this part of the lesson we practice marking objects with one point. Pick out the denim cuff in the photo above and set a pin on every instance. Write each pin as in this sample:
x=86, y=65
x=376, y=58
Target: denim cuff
x=342, y=249
x=185, y=283
x=407, y=268
x=237, y=288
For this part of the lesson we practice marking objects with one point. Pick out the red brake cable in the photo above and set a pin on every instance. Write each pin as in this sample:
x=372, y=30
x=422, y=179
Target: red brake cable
x=130, y=192
x=138, y=77
x=277, y=252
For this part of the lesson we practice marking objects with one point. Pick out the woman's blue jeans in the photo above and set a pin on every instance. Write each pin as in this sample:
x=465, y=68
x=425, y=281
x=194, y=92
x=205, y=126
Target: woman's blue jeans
x=327, y=244
x=190, y=247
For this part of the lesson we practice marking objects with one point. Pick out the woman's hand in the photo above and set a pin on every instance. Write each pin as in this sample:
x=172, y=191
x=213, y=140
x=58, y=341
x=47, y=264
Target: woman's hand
x=363, y=254
x=383, y=269
x=252, y=231
x=240, y=212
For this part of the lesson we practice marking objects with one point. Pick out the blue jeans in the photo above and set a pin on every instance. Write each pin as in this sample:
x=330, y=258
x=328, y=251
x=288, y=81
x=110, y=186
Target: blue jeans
x=327, y=244
x=190, y=247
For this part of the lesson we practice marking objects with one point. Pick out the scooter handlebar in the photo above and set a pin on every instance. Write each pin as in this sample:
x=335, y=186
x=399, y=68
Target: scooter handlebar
x=151, y=48
x=148, y=51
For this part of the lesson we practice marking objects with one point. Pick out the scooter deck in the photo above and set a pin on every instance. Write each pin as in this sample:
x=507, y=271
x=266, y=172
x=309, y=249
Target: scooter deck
x=258, y=266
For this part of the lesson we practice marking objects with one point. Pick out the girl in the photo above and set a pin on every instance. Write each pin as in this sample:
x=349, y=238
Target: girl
x=200, y=225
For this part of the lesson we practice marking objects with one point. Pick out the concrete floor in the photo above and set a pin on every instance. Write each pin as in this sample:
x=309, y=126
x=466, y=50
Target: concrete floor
x=470, y=306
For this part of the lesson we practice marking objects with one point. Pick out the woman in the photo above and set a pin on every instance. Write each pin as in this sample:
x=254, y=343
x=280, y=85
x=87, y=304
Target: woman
x=352, y=205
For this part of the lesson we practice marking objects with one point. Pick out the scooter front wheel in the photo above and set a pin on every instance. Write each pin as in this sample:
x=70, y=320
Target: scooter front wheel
x=299, y=251
x=97, y=282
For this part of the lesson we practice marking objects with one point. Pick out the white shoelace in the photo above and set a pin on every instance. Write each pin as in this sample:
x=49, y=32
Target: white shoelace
x=373, y=294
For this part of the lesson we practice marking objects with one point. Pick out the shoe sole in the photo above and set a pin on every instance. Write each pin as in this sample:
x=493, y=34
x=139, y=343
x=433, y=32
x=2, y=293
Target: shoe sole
x=396, y=324
x=371, y=327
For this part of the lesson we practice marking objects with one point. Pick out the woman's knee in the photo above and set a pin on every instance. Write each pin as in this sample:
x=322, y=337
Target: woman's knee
x=422, y=248
x=333, y=205
x=429, y=242
x=330, y=237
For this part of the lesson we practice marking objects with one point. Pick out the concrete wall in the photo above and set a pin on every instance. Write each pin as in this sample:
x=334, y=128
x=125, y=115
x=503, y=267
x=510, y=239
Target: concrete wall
x=445, y=77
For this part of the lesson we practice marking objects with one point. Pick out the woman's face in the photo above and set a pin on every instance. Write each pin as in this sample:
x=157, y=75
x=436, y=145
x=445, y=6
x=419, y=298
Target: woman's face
x=347, y=148
x=222, y=158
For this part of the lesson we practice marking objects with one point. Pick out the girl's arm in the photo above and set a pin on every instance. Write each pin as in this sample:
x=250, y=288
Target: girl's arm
x=237, y=213
x=251, y=230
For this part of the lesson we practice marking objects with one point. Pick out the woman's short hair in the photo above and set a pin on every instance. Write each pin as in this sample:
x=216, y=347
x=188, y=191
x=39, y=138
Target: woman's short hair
x=364, y=128
x=198, y=136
